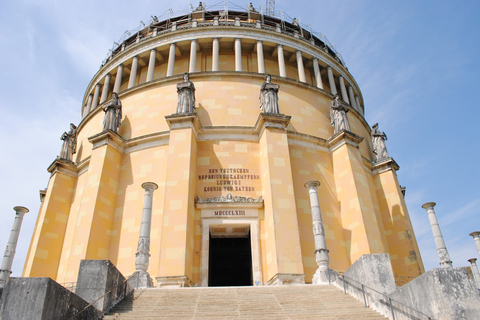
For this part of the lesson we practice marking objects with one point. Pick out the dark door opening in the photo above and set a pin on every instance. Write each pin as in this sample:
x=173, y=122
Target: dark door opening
x=230, y=262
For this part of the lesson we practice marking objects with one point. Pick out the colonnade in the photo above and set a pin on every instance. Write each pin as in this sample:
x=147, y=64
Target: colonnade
x=346, y=90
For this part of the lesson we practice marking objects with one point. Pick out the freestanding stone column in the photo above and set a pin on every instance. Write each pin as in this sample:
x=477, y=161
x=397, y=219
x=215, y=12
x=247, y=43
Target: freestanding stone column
x=260, y=60
x=89, y=102
x=281, y=61
x=118, y=79
x=318, y=76
x=151, y=64
x=321, y=276
x=437, y=235
x=215, y=53
x=476, y=238
x=238, y=54
x=193, y=56
x=343, y=90
x=352, y=98
x=106, y=86
x=331, y=80
x=96, y=96
x=133, y=72
x=301, y=69
x=476, y=274
x=143, y=248
x=171, y=59
x=7, y=261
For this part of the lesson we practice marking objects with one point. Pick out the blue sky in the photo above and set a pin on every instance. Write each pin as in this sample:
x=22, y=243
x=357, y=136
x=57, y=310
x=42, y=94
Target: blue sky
x=416, y=62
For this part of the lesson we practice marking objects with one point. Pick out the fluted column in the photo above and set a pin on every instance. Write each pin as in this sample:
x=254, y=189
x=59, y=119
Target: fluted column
x=89, y=102
x=143, y=248
x=476, y=274
x=215, y=53
x=133, y=72
x=238, y=54
x=281, y=61
x=352, y=98
x=318, y=75
x=301, y=69
x=437, y=235
x=260, y=59
x=171, y=60
x=193, y=56
x=151, y=64
x=343, y=89
x=331, y=81
x=118, y=79
x=96, y=95
x=6, y=268
x=321, y=253
x=476, y=238
x=106, y=86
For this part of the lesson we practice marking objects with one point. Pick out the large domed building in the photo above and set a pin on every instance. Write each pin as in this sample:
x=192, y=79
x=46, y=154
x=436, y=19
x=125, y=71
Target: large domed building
x=204, y=143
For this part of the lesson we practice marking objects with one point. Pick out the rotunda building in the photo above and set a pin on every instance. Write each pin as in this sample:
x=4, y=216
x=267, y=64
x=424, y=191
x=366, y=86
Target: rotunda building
x=197, y=173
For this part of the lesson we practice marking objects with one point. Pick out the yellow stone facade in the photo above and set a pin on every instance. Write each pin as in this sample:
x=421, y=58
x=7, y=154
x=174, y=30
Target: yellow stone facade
x=92, y=208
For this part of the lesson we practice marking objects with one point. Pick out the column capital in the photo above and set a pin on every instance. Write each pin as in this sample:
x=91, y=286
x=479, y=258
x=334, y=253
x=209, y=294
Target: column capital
x=312, y=184
x=429, y=205
x=21, y=210
x=475, y=234
x=472, y=261
x=149, y=185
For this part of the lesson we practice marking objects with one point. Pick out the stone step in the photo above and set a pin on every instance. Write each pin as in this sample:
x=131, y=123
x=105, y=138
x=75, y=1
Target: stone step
x=282, y=302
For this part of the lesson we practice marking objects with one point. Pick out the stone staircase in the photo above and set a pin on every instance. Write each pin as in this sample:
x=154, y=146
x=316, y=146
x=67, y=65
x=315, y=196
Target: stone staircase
x=279, y=302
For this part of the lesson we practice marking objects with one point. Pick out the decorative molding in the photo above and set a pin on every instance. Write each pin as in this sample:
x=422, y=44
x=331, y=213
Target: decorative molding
x=174, y=282
x=384, y=165
x=182, y=121
x=343, y=137
x=63, y=166
x=107, y=138
x=283, y=279
x=229, y=198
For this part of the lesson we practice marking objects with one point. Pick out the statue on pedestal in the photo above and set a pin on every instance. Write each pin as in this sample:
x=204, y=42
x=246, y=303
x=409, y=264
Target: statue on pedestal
x=378, y=143
x=113, y=114
x=200, y=7
x=338, y=115
x=186, y=95
x=250, y=8
x=269, y=96
x=69, y=146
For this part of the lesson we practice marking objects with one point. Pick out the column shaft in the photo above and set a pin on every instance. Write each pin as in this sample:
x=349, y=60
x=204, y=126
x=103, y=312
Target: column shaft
x=151, y=64
x=118, y=79
x=360, y=109
x=476, y=274
x=343, y=89
x=260, y=59
x=9, y=254
x=238, y=54
x=281, y=61
x=301, y=69
x=133, y=72
x=106, y=87
x=96, y=95
x=331, y=81
x=89, y=102
x=437, y=235
x=318, y=75
x=171, y=60
x=215, y=53
x=321, y=252
x=352, y=98
x=193, y=56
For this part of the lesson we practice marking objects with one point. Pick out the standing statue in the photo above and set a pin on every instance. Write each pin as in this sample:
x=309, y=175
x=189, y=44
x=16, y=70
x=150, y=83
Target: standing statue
x=269, y=96
x=113, y=114
x=69, y=146
x=186, y=95
x=250, y=8
x=200, y=7
x=338, y=115
x=378, y=143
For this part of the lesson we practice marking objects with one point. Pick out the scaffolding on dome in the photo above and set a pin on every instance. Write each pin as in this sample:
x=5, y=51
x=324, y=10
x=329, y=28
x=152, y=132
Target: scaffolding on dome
x=224, y=8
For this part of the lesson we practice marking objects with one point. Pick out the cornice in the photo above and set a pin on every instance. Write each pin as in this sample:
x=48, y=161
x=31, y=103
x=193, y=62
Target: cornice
x=107, y=138
x=384, y=165
x=343, y=137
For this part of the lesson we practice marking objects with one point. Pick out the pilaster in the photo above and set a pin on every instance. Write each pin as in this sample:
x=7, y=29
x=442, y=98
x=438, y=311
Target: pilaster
x=93, y=231
x=357, y=215
x=45, y=249
x=282, y=240
x=177, y=239
x=396, y=220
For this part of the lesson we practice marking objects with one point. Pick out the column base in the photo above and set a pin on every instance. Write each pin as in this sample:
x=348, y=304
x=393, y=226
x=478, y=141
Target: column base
x=144, y=280
x=174, y=282
x=286, y=279
x=324, y=276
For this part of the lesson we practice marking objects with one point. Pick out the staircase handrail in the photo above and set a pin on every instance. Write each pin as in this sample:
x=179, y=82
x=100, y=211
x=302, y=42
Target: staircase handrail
x=384, y=295
x=109, y=292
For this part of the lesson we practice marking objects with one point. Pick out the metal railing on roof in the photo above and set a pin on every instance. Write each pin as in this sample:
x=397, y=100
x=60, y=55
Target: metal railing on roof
x=164, y=22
